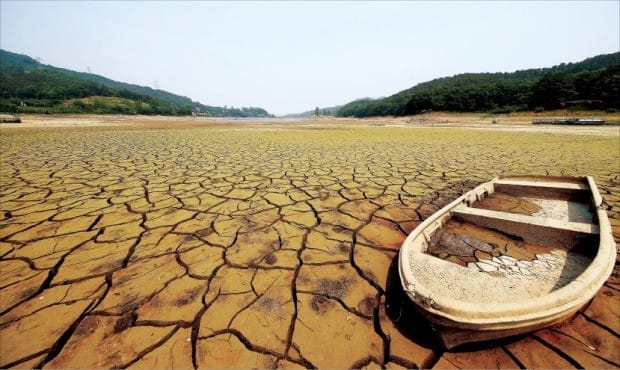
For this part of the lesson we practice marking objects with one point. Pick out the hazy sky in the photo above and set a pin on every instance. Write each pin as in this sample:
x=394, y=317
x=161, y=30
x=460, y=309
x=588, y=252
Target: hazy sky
x=292, y=56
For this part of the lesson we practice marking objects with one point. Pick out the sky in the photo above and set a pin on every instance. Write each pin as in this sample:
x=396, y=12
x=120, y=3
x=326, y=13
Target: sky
x=291, y=56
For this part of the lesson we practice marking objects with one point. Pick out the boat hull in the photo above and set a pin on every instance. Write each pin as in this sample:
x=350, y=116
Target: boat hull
x=451, y=336
x=558, y=252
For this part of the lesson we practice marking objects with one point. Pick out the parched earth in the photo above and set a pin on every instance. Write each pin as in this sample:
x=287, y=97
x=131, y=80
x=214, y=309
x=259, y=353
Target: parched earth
x=244, y=246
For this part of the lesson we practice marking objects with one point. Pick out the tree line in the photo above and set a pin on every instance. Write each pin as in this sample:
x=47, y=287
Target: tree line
x=591, y=84
x=28, y=86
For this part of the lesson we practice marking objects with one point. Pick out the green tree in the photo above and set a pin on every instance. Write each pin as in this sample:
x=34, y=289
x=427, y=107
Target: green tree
x=184, y=110
x=553, y=90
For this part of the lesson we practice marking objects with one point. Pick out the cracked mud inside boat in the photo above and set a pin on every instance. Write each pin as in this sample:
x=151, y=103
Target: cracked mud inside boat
x=535, y=269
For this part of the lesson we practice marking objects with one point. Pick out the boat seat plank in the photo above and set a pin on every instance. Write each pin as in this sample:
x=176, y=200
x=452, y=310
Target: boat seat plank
x=551, y=189
x=539, y=230
x=586, y=228
x=546, y=184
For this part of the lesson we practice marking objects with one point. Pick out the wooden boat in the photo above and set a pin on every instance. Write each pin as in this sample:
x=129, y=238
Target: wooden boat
x=513, y=255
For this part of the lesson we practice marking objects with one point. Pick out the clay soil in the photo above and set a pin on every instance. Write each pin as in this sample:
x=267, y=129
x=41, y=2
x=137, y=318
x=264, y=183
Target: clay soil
x=155, y=242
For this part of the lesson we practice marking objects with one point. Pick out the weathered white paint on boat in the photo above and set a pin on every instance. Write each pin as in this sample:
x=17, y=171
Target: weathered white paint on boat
x=490, y=300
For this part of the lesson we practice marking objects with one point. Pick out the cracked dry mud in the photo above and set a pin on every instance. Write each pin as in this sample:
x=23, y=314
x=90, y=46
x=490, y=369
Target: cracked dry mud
x=268, y=247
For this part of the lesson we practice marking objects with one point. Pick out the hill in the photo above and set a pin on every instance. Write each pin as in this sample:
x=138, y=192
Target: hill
x=31, y=87
x=593, y=83
x=327, y=111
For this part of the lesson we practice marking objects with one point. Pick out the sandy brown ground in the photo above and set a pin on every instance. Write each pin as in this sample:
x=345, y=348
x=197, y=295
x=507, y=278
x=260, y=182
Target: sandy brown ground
x=522, y=120
x=156, y=242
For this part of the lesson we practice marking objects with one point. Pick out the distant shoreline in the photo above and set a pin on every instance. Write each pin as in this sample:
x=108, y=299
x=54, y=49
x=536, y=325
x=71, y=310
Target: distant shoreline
x=506, y=122
x=526, y=117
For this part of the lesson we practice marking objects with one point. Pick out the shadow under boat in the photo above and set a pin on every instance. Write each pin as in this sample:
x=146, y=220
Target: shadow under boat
x=409, y=321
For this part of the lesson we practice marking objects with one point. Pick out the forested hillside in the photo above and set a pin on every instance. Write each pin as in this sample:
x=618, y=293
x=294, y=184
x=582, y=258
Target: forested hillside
x=325, y=111
x=31, y=87
x=591, y=84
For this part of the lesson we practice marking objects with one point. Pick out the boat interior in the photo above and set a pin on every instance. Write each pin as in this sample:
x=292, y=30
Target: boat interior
x=516, y=225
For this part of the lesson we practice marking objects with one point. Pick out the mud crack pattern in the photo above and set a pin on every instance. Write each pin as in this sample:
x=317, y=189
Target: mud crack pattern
x=237, y=246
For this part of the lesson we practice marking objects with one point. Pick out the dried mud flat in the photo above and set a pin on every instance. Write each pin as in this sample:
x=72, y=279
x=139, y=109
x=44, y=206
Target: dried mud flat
x=212, y=245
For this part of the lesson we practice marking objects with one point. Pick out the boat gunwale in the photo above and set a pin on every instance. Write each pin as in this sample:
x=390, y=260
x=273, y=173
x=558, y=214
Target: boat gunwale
x=501, y=315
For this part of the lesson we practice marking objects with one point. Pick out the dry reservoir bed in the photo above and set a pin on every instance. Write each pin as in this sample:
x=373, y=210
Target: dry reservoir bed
x=214, y=246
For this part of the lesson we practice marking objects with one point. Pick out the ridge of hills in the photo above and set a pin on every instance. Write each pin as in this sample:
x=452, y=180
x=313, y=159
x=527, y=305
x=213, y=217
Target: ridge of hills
x=28, y=86
x=327, y=111
x=593, y=83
